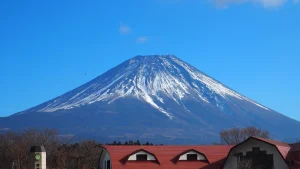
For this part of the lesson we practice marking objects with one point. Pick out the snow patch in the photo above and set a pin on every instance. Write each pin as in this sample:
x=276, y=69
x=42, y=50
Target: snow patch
x=149, y=79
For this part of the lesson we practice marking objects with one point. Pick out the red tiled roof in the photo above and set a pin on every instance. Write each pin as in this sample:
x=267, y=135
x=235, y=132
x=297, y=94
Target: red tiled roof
x=274, y=142
x=283, y=148
x=164, y=154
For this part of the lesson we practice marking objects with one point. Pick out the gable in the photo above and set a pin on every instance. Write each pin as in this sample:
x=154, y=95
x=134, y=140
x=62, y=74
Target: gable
x=253, y=143
x=251, y=146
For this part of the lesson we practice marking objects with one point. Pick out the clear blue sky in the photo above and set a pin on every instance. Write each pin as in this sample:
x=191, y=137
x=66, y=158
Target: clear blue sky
x=47, y=46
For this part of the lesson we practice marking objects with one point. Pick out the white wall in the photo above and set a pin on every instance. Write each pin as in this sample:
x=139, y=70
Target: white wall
x=43, y=160
x=42, y=163
x=231, y=162
x=149, y=156
x=199, y=156
x=104, y=158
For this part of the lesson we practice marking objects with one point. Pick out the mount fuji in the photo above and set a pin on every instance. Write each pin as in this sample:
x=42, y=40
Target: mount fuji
x=157, y=98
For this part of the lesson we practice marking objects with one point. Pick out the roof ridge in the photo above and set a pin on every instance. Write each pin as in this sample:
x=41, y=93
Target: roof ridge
x=274, y=142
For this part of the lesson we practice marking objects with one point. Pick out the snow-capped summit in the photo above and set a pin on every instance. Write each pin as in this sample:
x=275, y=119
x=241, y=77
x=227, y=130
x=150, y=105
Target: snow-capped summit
x=148, y=78
x=165, y=93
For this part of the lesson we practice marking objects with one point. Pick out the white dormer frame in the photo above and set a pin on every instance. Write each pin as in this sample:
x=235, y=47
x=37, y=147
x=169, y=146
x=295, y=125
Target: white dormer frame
x=150, y=157
x=200, y=156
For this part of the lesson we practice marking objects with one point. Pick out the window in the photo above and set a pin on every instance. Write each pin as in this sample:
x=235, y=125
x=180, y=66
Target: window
x=258, y=159
x=191, y=157
x=141, y=157
x=108, y=164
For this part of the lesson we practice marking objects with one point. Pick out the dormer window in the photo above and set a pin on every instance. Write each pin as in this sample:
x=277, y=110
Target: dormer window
x=191, y=157
x=141, y=157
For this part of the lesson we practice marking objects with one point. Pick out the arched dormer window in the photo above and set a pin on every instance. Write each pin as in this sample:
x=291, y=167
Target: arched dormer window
x=140, y=155
x=190, y=155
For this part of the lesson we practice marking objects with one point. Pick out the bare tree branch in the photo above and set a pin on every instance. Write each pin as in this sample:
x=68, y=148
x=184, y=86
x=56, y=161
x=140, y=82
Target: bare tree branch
x=236, y=135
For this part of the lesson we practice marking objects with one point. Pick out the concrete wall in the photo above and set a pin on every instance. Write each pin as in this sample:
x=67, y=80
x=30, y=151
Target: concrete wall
x=231, y=162
x=199, y=156
x=149, y=156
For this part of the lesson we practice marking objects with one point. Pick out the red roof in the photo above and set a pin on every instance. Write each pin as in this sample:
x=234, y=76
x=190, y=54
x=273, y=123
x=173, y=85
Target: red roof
x=165, y=155
x=282, y=147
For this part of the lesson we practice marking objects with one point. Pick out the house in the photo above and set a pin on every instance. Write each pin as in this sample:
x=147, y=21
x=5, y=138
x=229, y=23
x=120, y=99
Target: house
x=253, y=153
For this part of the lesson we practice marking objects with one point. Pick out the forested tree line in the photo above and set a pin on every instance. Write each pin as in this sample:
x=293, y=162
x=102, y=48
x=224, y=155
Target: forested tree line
x=130, y=143
x=62, y=153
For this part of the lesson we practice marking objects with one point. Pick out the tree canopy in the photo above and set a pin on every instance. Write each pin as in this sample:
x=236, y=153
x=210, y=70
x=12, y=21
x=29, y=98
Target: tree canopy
x=237, y=135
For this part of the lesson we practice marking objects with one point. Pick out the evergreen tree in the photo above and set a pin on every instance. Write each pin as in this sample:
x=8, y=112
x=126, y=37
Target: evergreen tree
x=130, y=142
x=137, y=143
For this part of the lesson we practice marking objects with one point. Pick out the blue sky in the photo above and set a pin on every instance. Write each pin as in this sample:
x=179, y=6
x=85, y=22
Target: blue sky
x=47, y=46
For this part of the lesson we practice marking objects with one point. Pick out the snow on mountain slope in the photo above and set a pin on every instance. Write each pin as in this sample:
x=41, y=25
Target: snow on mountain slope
x=153, y=97
x=147, y=78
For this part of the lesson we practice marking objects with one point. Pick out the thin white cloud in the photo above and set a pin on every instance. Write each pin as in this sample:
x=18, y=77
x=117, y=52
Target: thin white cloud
x=264, y=3
x=4, y=129
x=271, y=3
x=142, y=39
x=124, y=29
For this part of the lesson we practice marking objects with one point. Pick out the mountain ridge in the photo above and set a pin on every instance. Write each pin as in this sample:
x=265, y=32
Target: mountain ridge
x=157, y=89
x=176, y=59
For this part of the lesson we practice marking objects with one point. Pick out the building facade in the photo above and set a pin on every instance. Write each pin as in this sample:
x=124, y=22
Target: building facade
x=253, y=153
